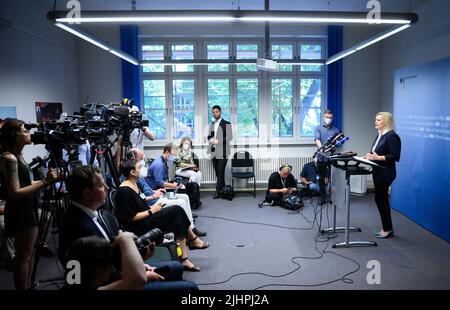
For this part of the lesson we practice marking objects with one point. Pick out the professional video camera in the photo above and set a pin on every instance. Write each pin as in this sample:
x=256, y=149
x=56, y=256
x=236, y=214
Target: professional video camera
x=154, y=235
x=58, y=133
x=104, y=119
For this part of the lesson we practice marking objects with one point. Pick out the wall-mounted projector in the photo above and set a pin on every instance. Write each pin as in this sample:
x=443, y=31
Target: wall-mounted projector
x=266, y=64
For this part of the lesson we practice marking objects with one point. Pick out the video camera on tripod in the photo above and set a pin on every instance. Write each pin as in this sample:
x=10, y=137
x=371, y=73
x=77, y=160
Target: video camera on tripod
x=58, y=133
x=105, y=119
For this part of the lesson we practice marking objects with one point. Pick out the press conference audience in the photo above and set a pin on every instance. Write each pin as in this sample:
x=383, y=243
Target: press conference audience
x=136, y=216
x=95, y=258
x=21, y=195
x=157, y=196
x=88, y=192
x=185, y=162
x=280, y=183
x=385, y=152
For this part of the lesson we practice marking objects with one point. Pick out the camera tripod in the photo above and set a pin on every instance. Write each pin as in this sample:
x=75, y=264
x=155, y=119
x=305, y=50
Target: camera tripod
x=54, y=200
x=101, y=150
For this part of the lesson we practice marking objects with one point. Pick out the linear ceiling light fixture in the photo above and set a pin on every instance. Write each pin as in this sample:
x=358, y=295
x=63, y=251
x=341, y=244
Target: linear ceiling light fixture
x=401, y=21
x=204, y=62
x=161, y=16
x=91, y=39
x=366, y=43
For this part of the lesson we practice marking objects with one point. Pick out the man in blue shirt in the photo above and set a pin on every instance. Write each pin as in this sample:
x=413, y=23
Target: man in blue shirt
x=321, y=135
x=325, y=130
x=157, y=174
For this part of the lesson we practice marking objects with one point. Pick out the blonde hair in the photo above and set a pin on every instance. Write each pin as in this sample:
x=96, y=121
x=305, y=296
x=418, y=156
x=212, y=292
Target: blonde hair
x=387, y=119
x=184, y=139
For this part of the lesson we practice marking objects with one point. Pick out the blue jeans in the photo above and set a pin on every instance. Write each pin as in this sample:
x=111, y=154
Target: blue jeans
x=173, y=281
x=314, y=187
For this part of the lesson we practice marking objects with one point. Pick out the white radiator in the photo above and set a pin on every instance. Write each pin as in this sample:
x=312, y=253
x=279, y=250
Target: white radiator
x=263, y=168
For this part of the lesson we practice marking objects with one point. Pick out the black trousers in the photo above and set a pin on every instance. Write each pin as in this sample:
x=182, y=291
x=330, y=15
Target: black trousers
x=323, y=169
x=275, y=197
x=219, y=167
x=382, y=185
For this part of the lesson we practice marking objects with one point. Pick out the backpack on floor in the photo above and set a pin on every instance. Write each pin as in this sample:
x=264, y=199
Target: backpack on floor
x=227, y=192
x=193, y=191
x=291, y=202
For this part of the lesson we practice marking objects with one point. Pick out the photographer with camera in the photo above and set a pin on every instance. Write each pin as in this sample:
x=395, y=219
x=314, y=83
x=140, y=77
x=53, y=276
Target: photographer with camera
x=280, y=183
x=95, y=256
x=20, y=192
x=88, y=192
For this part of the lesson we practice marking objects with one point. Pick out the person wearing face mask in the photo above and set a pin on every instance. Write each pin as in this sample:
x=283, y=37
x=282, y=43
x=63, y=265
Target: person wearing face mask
x=153, y=197
x=185, y=162
x=325, y=130
x=321, y=135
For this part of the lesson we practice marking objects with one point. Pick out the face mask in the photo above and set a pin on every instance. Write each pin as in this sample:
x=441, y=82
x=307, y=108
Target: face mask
x=186, y=146
x=172, y=158
x=143, y=173
x=328, y=121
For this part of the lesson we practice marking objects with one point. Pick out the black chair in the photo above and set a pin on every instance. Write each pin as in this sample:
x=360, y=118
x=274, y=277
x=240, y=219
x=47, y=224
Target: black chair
x=240, y=160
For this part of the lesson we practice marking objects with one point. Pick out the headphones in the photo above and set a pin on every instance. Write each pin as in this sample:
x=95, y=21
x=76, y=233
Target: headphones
x=286, y=166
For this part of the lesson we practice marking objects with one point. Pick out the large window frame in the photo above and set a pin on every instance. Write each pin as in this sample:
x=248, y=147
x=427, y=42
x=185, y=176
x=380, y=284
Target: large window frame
x=201, y=76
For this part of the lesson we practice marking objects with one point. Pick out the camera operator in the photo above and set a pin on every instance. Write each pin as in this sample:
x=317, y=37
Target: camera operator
x=21, y=213
x=95, y=256
x=87, y=192
x=136, y=140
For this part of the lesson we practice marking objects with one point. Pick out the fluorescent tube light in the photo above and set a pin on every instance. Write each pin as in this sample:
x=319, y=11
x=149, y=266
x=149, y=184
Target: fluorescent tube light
x=320, y=20
x=98, y=43
x=149, y=19
x=366, y=43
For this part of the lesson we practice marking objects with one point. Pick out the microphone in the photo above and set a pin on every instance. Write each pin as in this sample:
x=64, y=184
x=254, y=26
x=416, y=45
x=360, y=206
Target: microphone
x=333, y=136
x=342, y=141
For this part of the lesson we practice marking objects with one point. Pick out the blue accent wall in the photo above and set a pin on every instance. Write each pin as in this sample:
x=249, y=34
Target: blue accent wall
x=334, y=74
x=422, y=119
x=129, y=43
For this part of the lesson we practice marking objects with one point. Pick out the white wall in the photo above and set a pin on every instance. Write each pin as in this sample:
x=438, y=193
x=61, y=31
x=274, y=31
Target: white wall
x=426, y=41
x=361, y=90
x=100, y=71
x=38, y=62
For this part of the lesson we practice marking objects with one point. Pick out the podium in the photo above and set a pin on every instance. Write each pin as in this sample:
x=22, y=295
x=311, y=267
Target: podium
x=351, y=166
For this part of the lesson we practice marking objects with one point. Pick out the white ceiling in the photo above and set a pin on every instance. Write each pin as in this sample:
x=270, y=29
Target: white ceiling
x=307, y=5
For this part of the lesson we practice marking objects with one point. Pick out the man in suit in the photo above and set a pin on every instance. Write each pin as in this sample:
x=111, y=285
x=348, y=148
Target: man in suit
x=220, y=134
x=88, y=192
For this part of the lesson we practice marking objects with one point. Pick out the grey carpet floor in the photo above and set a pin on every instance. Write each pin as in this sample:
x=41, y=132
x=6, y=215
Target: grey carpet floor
x=283, y=253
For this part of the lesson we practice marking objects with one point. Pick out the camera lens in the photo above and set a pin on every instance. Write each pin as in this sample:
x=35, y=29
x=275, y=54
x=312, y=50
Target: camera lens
x=154, y=235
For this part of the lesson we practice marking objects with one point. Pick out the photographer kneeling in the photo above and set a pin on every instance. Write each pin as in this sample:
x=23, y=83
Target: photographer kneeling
x=87, y=192
x=280, y=183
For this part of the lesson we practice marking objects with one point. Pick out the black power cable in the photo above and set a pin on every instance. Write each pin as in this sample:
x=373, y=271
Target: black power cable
x=317, y=239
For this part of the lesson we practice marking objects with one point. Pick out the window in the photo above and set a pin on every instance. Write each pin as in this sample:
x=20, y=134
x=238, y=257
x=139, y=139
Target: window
x=219, y=94
x=283, y=106
x=246, y=51
x=247, y=103
x=181, y=52
x=153, y=52
x=310, y=105
x=282, y=109
x=283, y=51
x=218, y=51
x=155, y=106
x=311, y=51
x=183, y=102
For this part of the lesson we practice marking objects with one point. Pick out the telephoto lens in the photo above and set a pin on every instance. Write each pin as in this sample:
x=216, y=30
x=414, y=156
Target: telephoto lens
x=154, y=235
